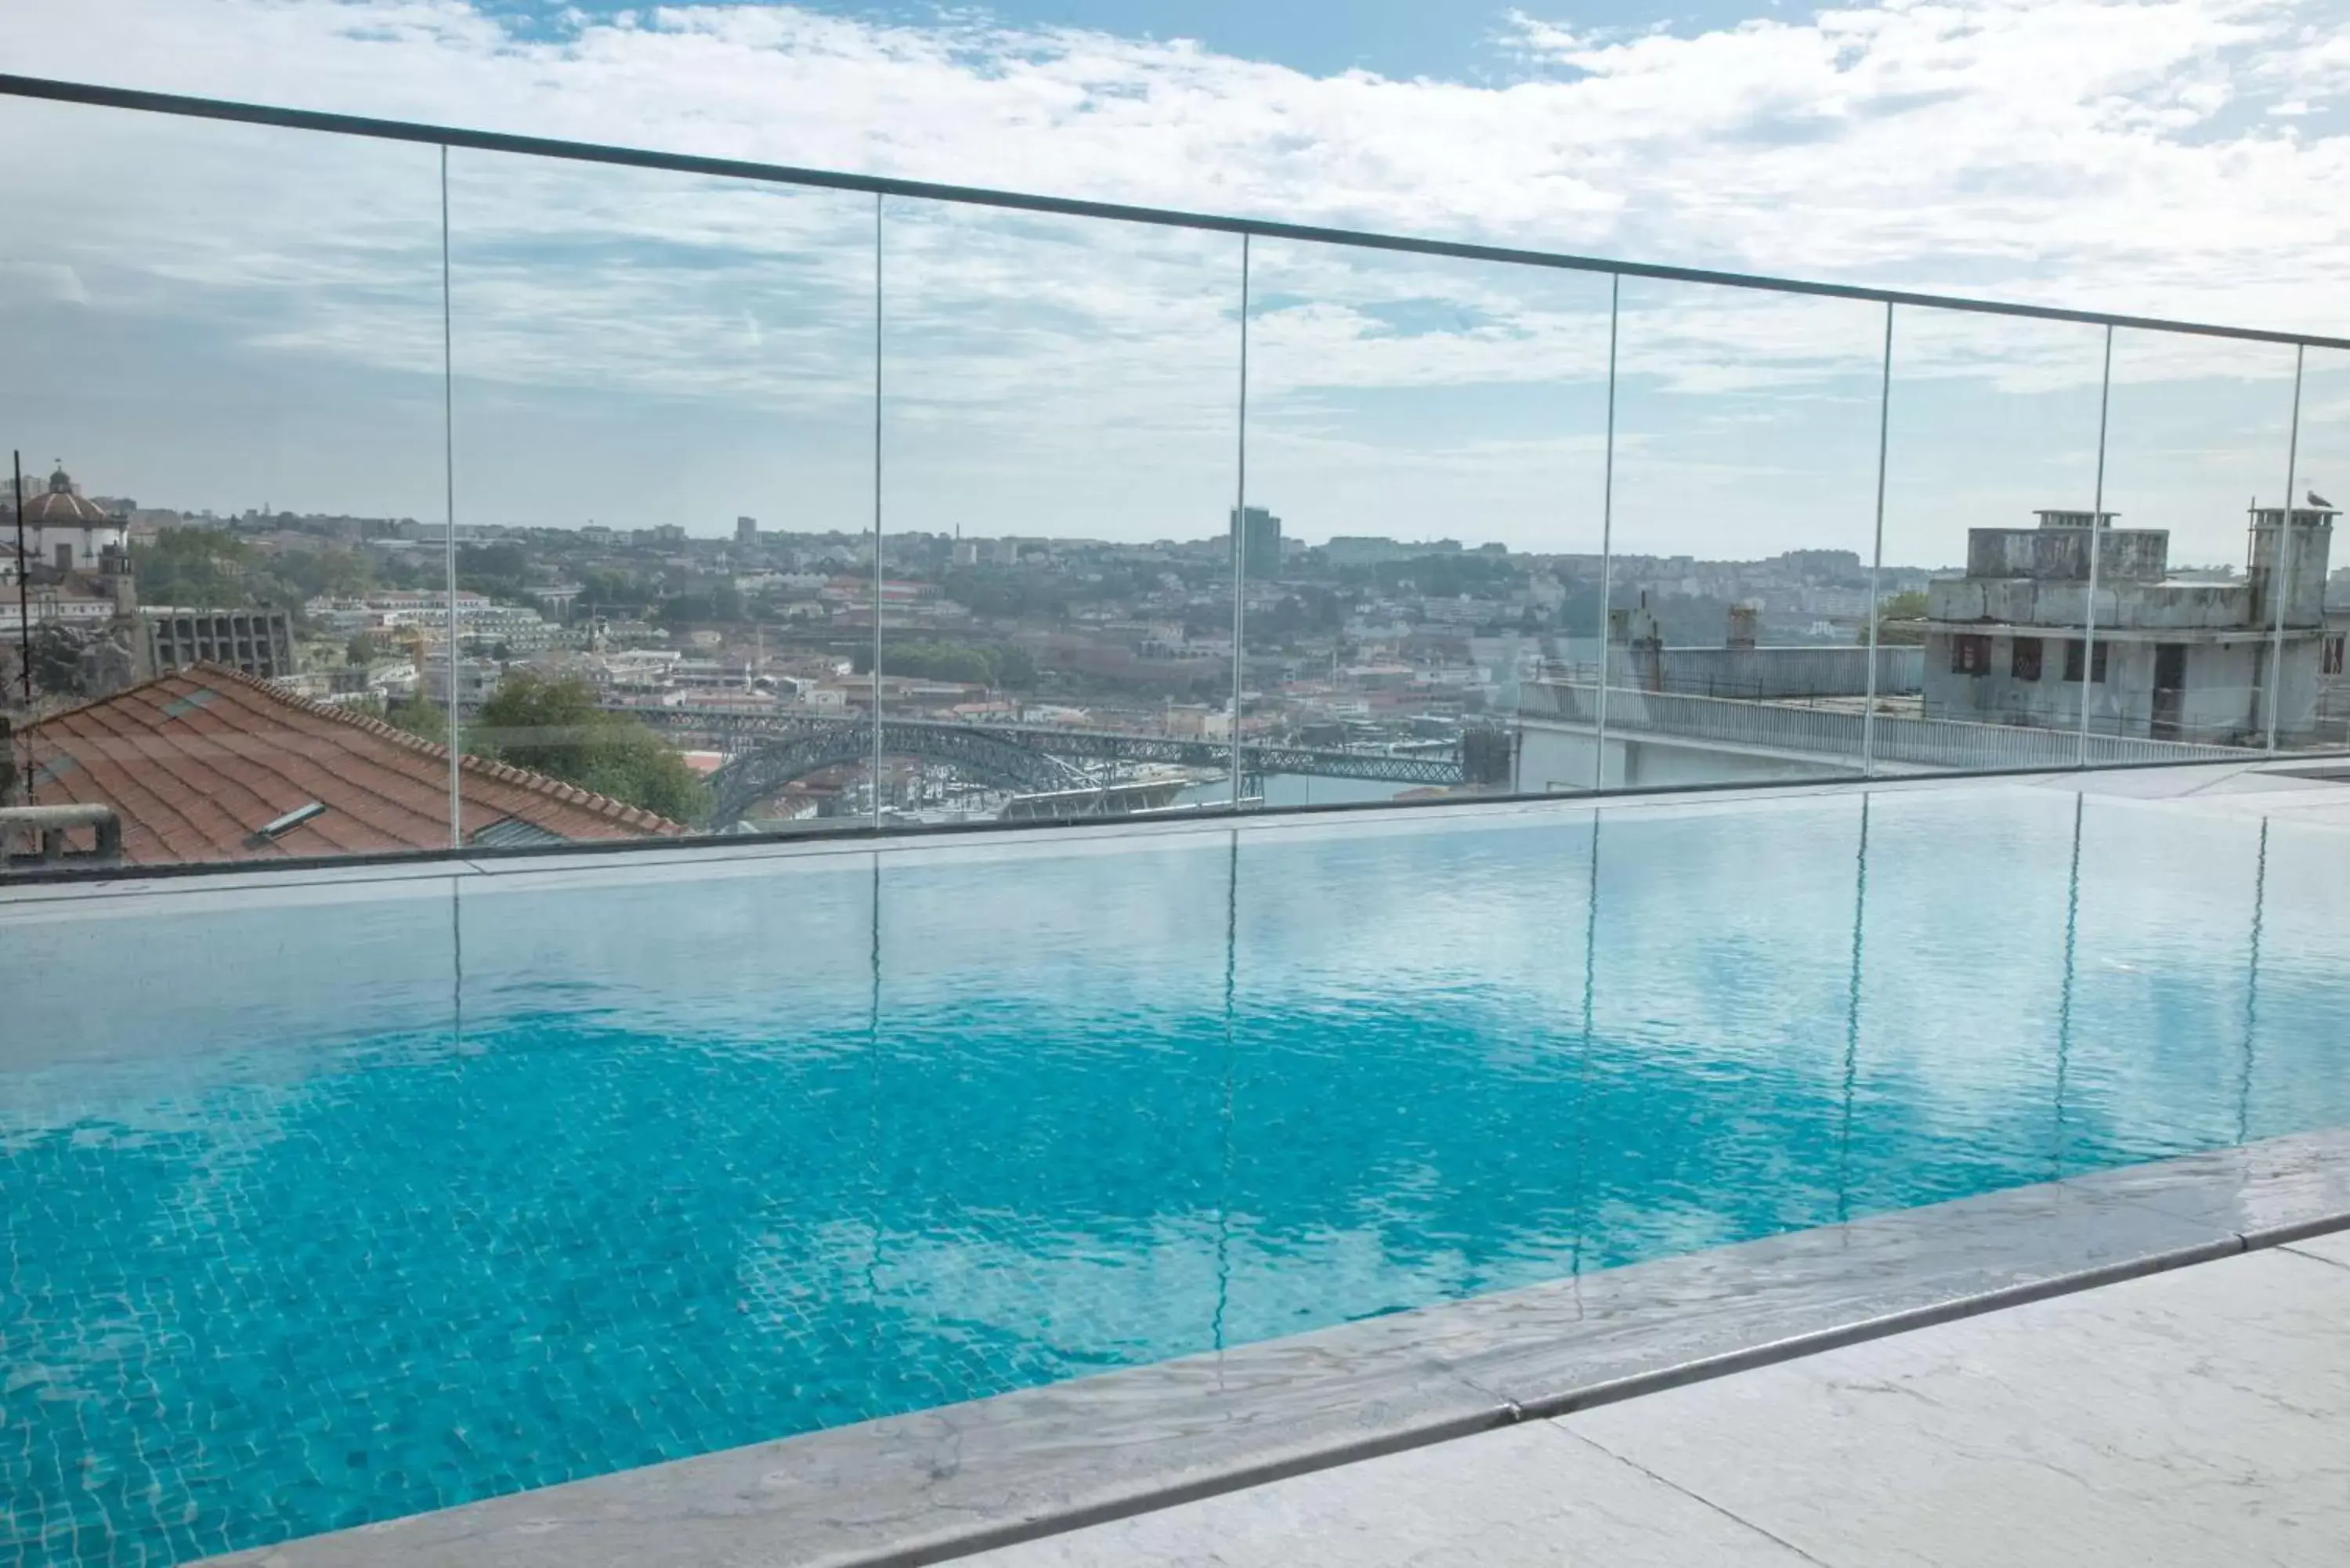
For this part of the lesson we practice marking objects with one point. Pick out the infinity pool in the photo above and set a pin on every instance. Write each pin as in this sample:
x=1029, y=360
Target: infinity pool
x=335, y=1202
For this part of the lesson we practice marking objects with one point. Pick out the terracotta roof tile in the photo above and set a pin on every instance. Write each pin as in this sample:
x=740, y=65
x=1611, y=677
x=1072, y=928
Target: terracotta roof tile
x=198, y=760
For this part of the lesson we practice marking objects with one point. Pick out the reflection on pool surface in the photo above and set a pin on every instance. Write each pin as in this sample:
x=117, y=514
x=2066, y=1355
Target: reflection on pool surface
x=337, y=1204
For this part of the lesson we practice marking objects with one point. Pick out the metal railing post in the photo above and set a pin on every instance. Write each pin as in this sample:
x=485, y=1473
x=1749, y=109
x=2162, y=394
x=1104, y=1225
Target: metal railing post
x=1240, y=528
x=1607, y=546
x=878, y=199
x=2280, y=564
x=449, y=502
x=2097, y=539
x=1877, y=560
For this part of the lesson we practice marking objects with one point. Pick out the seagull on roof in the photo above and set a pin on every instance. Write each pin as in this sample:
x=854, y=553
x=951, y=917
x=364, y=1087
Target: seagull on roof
x=2317, y=500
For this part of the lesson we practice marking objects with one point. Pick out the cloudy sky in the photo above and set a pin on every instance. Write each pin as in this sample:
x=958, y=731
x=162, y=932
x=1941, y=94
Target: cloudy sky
x=219, y=316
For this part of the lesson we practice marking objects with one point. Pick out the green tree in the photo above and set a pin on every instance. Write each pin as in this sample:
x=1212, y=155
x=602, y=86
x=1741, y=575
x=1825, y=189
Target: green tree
x=614, y=590
x=722, y=604
x=360, y=650
x=553, y=726
x=1015, y=668
x=307, y=574
x=202, y=567
x=933, y=662
x=1899, y=621
x=496, y=570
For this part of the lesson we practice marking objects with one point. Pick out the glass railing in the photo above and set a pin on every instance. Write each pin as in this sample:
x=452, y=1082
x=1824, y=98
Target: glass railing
x=461, y=492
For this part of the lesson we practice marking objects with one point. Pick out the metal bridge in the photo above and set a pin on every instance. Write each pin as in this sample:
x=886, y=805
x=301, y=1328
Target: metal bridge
x=769, y=750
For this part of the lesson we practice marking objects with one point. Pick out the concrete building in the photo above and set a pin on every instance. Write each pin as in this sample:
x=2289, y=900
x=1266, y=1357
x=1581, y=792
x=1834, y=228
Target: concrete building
x=476, y=680
x=518, y=629
x=1259, y=531
x=555, y=598
x=1197, y=721
x=1364, y=550
x=254, y=642
x=2008, y=643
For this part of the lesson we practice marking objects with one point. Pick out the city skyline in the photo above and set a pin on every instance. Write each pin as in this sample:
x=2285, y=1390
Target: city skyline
x=154, y=511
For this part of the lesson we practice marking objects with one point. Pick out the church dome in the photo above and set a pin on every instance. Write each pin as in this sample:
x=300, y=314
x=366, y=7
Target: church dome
x=64, y=507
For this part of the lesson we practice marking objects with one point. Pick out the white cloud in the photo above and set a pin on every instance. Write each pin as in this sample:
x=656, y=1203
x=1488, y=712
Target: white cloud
x=2141, y=156
x=2056, y=149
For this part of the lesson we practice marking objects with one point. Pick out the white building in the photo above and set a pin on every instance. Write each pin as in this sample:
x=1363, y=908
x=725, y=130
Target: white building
x=75, y=603
x=66, y=530
x=476, y=679
x=2175, y=659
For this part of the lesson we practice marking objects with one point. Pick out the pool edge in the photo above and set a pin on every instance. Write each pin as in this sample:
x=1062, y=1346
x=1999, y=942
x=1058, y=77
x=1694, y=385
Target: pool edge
x=935, y=1485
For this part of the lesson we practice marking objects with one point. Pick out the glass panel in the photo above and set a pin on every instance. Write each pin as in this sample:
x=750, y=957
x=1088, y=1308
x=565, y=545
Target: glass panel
x=1431, y=436
x=1991, y=469
x=2185, y=607
x=1061, y=421
x=226, y=379
x=1746, y=462
x=664, y=443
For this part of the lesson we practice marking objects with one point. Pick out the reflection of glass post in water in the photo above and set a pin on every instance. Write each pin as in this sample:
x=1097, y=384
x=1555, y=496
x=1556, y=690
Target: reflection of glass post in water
x=1224, y=1142
x=2064, y=1004
x=456, y=964
x=2252, y=989
x=873, y=1180
x=1582, y=1130
x=1852, y=1007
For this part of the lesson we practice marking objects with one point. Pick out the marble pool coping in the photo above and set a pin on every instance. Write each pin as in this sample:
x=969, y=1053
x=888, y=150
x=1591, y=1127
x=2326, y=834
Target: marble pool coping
x=940, y=1483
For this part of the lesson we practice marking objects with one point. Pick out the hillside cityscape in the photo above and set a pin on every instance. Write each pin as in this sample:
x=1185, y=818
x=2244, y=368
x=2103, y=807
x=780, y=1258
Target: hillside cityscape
x=1079, y=670
x=1361, y=640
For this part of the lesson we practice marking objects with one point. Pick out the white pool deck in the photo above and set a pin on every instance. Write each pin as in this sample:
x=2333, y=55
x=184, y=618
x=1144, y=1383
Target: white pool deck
x=2200, y=1415
x=2283, y=789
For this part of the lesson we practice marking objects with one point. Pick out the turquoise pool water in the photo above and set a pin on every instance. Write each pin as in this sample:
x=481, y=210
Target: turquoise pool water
x=337, y=1203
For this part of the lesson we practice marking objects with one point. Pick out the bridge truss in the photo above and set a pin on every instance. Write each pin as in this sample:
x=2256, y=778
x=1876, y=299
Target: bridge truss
x=771, y=750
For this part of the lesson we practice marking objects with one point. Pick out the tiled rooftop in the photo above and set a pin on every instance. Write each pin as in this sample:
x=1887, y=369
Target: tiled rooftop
x=198, y=760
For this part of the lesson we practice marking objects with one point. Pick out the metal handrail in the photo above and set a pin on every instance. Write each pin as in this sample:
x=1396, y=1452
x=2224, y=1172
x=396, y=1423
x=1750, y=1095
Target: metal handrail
x=191, y=107
x=1959, y=744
